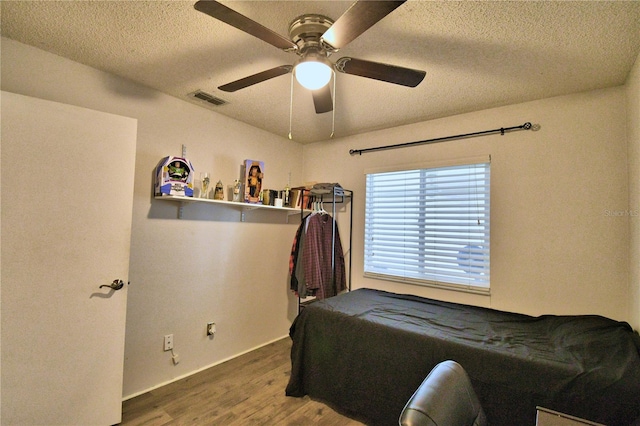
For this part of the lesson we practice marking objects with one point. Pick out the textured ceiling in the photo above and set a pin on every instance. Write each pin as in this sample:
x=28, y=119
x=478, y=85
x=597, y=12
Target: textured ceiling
x=477, y=55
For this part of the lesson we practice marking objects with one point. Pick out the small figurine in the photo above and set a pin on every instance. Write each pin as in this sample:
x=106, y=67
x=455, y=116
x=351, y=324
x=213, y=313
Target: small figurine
x=236, y=190
x=178, y=171
x=255, y=181
x=286, y=194
x=219, y=191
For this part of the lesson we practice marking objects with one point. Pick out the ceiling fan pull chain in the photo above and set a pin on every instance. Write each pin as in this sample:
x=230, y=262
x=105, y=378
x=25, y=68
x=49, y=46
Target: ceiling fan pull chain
x=333, y=110
x=291, y=109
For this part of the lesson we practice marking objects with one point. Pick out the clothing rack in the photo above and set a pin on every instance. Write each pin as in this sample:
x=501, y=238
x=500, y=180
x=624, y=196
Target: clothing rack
x=333, y=195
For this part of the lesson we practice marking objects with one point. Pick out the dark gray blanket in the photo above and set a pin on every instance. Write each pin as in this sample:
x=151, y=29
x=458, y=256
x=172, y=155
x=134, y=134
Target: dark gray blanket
x=365, y=352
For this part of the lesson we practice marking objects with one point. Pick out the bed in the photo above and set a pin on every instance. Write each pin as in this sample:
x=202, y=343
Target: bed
x=365, y=352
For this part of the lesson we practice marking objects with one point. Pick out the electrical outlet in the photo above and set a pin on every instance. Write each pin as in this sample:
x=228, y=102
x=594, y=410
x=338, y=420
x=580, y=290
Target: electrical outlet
x=211, y=328
x=168, y=342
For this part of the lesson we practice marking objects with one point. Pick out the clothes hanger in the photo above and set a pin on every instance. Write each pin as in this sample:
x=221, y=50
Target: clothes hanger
x=322, y=210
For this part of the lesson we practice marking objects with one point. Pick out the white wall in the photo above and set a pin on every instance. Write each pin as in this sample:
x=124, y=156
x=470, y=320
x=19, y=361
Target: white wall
x=555, y=245
x=206, y=267
x=633, y=134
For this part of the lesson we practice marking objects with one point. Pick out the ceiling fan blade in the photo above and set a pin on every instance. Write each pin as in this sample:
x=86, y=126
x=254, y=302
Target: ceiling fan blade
x=256, y=78
x=241, y=22
x=322, y=99
x=356, y=20
x=383, y=72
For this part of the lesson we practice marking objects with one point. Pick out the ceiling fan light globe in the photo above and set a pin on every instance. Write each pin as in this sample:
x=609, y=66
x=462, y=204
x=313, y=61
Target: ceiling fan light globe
x=313, y=75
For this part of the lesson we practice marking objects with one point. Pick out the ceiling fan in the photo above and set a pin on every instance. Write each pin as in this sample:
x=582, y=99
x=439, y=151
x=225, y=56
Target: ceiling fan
x=314, y=38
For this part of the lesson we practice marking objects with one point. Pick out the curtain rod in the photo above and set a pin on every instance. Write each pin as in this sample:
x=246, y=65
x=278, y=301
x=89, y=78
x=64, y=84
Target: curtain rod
x=502, y=131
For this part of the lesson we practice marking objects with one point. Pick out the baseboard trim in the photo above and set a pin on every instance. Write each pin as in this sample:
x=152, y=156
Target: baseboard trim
x=175, y=379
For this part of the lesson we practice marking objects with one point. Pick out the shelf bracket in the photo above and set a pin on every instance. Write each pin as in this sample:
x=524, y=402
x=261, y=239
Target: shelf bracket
x=244, y=210
x=181, y=210
x=289, y=214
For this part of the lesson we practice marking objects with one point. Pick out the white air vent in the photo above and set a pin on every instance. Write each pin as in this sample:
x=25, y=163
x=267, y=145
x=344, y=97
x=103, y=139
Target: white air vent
x=201, y=96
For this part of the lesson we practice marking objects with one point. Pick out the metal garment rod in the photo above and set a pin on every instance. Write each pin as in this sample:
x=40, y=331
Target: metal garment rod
x=502, y=131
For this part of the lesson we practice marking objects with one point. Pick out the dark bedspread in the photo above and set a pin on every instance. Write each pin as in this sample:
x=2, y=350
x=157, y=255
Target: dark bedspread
x=365, y=352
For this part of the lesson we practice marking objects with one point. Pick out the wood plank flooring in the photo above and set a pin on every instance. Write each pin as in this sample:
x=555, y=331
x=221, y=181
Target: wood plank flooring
x=247, y=390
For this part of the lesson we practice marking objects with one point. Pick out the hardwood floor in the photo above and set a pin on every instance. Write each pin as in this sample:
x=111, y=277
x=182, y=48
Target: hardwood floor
x=245, y=390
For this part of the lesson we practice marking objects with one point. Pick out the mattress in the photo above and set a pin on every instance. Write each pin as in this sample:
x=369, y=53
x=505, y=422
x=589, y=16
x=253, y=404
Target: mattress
x=366, y=351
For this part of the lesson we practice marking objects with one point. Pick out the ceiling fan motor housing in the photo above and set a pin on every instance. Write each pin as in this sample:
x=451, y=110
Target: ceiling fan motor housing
x=306, y=32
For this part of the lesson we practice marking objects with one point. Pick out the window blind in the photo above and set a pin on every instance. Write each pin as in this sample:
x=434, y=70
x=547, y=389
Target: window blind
x=430, y=226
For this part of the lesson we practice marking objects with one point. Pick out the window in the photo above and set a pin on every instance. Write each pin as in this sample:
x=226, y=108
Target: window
x=429, y=226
